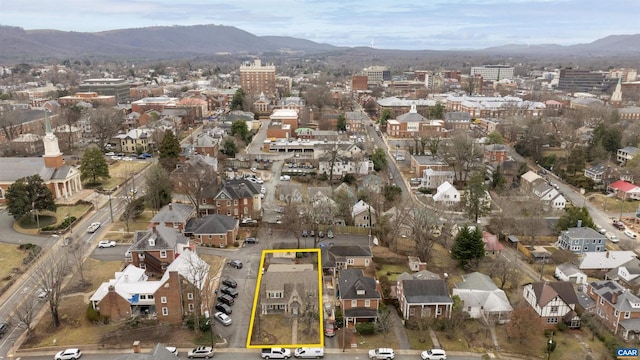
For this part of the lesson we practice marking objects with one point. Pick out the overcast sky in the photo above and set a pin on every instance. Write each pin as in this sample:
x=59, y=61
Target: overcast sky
x=385, y=24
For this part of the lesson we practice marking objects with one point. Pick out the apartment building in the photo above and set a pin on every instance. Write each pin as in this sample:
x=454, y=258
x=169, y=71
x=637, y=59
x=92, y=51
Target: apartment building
x=256, y=78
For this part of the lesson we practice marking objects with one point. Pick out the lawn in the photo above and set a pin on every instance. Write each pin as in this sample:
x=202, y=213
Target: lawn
x=392, y=271
x=61, y=213
x=140, y=223
x=121, y=171
x=376, y=341
x=612, y=204
x=415, y=337
x=271, y=330
x=10, y=262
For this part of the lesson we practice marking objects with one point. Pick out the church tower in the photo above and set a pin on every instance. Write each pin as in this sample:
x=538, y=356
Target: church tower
x=616, y=97
x=52, y=155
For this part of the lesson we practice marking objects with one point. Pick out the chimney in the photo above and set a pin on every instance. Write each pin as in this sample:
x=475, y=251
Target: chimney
x=170, y=206
x=607, y=254
x=614, y=298
x=153, y=229
x=579, y=223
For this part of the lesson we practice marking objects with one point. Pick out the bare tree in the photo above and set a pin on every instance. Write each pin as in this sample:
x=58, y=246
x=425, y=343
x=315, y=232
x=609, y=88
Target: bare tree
x=390, y=227
x=422, y=223
x=506, y=271
x=76, y=258
x=50, y=276
x=385, y=320
x=11, y=123
x=70, y=117
x=194, y=180
x=293, y=218
x=198, y=273
x=320, y=211
x=461, y=153
x=524, y=322
x=159, y=188
x=26, y=312
x=105, y=124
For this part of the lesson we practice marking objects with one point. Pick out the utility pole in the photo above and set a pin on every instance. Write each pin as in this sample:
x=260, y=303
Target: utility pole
x=110, y=208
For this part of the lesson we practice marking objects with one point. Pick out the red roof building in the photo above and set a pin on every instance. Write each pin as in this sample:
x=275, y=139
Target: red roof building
x=625, y=190
x=491, y=244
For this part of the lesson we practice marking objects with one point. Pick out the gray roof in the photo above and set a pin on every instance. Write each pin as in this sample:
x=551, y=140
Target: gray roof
x=166, y=238
x=597, y=169
x=569, y=269
x=289, y=282
x=428, y=160
x=583, y=233
x=547, y=291
x=476, y=281
x=420, y=275
x=21, y=167
x=426, y=292
x=625, y=301
x=211, y=224
x=339, y=253
x=496, y=147
x=457, y=116
x=174, y=212
x=238, y=189
x=411, y=117
x=351, y=281
x=159, y=352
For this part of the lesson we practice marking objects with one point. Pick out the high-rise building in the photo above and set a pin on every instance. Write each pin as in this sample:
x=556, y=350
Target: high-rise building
x=493, y=72
x=377, y=74
x=256, y=79
x=582, y=80
x=109, y=87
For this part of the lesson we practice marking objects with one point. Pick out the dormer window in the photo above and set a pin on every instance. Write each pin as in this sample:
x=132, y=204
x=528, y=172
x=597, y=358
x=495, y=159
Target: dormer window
x=152, y=241
x=360, y=291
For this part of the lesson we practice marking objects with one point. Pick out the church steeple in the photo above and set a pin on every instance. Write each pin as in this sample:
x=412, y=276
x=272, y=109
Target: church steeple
x=52, y=155
x=616, y=97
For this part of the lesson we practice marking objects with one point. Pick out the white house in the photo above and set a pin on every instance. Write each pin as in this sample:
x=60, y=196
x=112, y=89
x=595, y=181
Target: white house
x=482, y=299
x=554, y=302
x=344, y=165
x=363, y=214
x=431, y=179
x=447, y=194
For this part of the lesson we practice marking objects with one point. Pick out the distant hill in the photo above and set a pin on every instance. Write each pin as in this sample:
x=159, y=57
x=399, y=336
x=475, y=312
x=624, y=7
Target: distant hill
x=170, y=42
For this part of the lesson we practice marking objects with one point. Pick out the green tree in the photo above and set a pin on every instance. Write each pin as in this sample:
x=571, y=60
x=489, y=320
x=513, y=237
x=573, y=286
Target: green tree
x=159, y=187
x=494, y=137
x=240, y=129
x=437, y=112
x=238, y=100
x=571, y=217
x=93, y=166
x=229, y=147
x=498, y=180
x=386, y=115
x=379, y=159
x=475, y=197
x=169, y=150
x=468, y=247
x=342, y=123
x=29, y=195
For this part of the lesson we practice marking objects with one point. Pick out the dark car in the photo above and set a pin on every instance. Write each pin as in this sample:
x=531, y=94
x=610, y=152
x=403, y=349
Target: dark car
x=226, y=299
x=236, y=264
x=229, y=282
x=618, y=225
x=329, y=329
x=224, y=308
x=3, y=328
x=229, y=291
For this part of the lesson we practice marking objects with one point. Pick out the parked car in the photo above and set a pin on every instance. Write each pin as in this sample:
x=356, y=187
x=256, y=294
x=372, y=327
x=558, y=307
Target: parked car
x=106, y=244
x=235, y=263
x=226, y=299
x=250, y=240
x=329, y=234
x=3, y=328
x=382, y=354
x=275, y=353
x=42, y=294
x=253, y=170
x=305, y=233
x=614, y=239
x=618, y=225
x=230, y=291
x=329, y=329
x=320, y=234
x=93, y=227
x=312, y=233
x=434, y=354
x=229, y=282
x=110, y=153
x=631, y=234
x=201, y=352
x=309, y=353
x=224, y=308
x=223, y=318
x=68, y=354
x=172, y=349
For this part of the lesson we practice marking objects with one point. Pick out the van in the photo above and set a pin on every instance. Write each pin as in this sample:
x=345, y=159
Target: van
x=631, y=234
x=614, y=239
x=309, y=353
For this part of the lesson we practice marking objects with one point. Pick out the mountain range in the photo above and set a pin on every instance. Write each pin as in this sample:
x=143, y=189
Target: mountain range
x=171, y=42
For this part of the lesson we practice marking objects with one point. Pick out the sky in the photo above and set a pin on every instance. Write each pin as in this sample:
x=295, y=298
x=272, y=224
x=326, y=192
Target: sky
x=383, y=24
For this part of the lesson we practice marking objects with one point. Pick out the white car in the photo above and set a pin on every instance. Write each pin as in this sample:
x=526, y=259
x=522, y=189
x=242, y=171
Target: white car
x=253, y=170
x=223, y=318
x=106, y=244
x=68, y=354
x=433, y=354
x=309, y=353
x=382, y=354
x=43, y=294
x=172, y=349
x=201, y=352
x=93, y=227
x=259, y=181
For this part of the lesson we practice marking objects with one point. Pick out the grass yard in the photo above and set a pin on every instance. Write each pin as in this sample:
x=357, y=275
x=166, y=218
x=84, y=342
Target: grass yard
x=419, y=340
x=61, y=213
x=96, y=272
x=376, y=341
x=612, y=204
x=141, y=223
x=10, y=262
x=392, y=271
x=271, y=329
x=121, y=171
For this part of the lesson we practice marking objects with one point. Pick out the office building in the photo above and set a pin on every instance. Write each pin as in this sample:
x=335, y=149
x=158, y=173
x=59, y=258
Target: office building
x=377, y=74
x=108, y=87
x=256, y=79
x=576, y=80
x=493, y=72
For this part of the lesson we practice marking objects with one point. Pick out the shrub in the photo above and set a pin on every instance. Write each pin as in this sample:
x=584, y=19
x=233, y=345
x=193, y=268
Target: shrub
x=562, y=327
x=366, y=328
x=94, y=316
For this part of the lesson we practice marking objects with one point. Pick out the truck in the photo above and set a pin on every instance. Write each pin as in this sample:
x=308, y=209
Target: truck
x=275, y=353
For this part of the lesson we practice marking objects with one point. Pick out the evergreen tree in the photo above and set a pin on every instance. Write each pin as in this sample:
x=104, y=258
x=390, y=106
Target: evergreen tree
x=93, y=165
x=379, y=159
x=29, y=195
x=169, y=150
x=475, y=197
x=571, y=217
x=386, y=115
x=240, y=129
x=238, y=100
x=229, y=147
x=497, y=179
x=468, y=247
x=342, y=123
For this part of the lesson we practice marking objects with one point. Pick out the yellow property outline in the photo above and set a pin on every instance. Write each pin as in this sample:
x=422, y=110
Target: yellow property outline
x=257, y=294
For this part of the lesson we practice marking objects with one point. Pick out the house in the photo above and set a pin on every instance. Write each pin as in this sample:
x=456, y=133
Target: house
x=431, y=178
x=527, y=181
x=239, y=199
x=492, y=245
x=207, y=145
x=596, y=173
x=154, y=249
x=447, y=194
x=131, y=292
x=135, y=141
x=625, y=154
x=359, y=296
x=288, y=289
x=495, y=153
x=213, y=230
x=339, y=257
x=627, y=274
x=554, y=302
x=343, y=165
x=194, y=173
x=174, y=215
x=553, y=199
x=420, y=299
x=482, y=299
x=363, y=214
x=580, y=240
x=598, y=262
x=420, y=163
x=625, y=190
x=571, y=273
x=418, y=275
x=617, y=307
